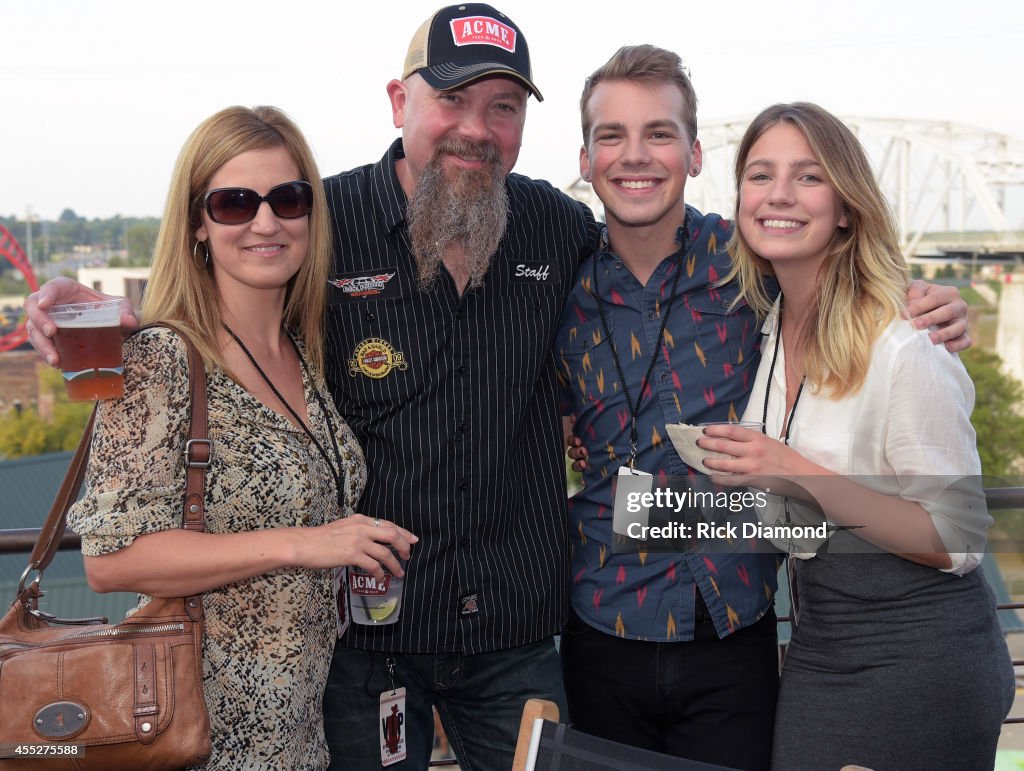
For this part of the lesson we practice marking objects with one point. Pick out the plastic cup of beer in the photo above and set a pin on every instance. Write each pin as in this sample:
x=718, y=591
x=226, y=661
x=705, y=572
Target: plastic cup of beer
x=88, y=341
x=373, y=601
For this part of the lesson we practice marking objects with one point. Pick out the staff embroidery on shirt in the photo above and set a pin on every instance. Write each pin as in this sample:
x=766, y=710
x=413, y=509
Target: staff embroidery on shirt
x=535, y=271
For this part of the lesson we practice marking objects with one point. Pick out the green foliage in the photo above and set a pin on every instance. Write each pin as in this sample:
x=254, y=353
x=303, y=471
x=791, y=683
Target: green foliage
x=140, y=239
x=26, y=433
x=998, y=418
x=971, y=296
x=13, y=283
x=53, y=239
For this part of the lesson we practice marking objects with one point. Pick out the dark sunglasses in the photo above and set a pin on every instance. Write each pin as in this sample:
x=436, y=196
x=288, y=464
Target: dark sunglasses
x=238, y=205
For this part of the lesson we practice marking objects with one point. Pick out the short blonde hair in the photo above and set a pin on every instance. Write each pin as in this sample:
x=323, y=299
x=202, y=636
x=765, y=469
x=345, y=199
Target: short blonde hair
x=181, y=289
x=862, y=283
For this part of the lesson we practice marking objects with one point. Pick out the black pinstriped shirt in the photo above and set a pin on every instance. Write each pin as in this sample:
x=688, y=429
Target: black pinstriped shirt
x=454, y=401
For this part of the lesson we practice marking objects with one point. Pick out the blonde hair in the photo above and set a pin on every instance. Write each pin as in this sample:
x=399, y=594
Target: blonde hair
x=181, y=289
x=642, y=64
x=862, y=282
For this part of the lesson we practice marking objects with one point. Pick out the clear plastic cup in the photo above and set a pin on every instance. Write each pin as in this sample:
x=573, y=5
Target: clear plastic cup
x=88, y=341
x=372, y=601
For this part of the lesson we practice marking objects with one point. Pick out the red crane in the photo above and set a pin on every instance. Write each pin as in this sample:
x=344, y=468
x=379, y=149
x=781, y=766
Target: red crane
x=12, y=251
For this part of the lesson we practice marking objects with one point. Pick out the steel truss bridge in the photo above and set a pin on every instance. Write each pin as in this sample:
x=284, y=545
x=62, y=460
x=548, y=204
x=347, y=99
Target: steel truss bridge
x=956, y=190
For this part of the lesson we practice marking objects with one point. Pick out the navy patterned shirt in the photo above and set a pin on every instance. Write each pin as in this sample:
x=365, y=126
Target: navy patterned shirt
x=704, y=371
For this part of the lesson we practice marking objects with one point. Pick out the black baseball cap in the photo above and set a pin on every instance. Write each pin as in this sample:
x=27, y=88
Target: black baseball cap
x=463, y=43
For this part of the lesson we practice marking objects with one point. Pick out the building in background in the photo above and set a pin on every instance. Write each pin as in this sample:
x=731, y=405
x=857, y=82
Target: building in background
x=122, y=282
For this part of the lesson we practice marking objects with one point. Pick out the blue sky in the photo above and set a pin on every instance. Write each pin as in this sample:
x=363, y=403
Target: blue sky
x=100, y=95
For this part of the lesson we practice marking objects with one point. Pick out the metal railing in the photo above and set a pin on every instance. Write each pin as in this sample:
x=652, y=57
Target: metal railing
x=998, y=498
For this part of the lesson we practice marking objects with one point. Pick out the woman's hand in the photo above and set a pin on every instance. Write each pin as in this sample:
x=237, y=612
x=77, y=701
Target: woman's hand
x=357, y=540
x=61, y=291
x=756, y=460
x=176, y=563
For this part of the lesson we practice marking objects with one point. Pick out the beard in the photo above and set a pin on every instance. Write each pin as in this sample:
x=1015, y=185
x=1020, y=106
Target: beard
x=464, y=208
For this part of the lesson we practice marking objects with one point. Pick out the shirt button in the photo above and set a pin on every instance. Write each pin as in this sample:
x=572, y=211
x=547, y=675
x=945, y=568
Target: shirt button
x=463, y=426
x=663, y=376
x=463, y=485
x=464, y=541
x=618, y=265
x=461, y=369
x=371, y=317
x=651, y=315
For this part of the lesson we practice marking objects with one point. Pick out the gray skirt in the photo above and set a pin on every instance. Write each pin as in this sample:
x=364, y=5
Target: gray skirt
x=894, y=665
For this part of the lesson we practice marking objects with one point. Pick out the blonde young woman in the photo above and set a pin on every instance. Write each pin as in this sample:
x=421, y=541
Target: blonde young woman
x=240, y=267
x=897, y=661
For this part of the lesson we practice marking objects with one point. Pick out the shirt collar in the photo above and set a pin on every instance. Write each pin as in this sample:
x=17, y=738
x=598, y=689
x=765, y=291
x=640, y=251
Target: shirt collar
x=604, y=242
x=387, y=191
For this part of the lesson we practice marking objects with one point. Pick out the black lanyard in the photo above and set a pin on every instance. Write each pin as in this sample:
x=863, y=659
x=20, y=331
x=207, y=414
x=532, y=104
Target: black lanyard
x=634, y=408
x=335, y=468
x=768, y=386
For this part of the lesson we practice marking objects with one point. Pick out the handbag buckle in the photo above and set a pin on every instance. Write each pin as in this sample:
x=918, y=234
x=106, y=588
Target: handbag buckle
x=190, y=459
x=24, y=576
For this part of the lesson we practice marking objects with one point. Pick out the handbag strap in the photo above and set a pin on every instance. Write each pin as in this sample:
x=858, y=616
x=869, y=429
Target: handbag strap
x=198, y=452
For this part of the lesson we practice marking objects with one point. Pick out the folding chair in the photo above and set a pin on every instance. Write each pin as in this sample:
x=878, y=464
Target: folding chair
x=545, y=744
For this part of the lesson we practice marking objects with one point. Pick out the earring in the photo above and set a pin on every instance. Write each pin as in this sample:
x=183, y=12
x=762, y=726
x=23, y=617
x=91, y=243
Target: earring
x=206, y=250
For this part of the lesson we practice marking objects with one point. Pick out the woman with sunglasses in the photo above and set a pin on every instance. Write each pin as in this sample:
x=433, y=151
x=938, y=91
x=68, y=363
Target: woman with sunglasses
x=240, y=267
x=896, y=660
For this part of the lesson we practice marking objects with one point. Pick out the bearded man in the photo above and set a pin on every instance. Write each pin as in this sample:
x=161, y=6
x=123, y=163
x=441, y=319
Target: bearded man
x=449, y=276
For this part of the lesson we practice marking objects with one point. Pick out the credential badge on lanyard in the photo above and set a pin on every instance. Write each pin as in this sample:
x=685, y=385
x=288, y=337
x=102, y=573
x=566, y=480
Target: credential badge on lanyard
x=392, y=721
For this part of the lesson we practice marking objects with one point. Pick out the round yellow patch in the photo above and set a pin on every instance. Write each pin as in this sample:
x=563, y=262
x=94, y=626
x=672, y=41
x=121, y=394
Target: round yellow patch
x=375, y=358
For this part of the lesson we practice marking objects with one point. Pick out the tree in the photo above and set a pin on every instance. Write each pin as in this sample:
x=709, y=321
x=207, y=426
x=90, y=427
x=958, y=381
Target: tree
x=26, y=433
x=997, y=418
x=140, y=239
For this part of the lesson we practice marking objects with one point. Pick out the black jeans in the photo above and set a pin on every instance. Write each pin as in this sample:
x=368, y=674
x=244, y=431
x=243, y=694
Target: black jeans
x=707, y=699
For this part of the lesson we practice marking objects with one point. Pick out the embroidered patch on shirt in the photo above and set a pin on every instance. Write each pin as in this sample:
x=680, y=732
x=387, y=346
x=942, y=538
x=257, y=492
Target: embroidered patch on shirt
x=535, y=272
x=379, y=284
x=375, y=358
x=468, y=605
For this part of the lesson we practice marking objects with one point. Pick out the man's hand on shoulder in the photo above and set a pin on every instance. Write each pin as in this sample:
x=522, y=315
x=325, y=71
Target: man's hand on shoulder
x=932, y=305
x=61, y=291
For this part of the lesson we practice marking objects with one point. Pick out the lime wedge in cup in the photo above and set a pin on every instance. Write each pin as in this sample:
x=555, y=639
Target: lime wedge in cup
x=382, y=611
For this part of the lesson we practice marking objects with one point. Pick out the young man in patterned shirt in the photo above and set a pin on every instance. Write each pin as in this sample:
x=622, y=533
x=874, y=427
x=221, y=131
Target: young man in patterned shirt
x=670, y=649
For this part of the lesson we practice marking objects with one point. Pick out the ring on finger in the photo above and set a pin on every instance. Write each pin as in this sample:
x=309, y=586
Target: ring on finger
x=376, y=521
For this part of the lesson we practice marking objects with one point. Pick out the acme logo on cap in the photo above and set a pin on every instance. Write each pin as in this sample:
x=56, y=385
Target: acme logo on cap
x=476, y=30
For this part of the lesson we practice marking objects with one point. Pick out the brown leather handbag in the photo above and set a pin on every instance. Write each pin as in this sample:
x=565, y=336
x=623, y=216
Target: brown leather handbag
x=85, y=694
